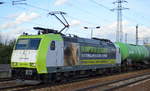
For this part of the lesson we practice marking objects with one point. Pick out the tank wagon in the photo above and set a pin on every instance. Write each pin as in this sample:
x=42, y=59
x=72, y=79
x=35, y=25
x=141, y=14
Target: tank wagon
x=134, y=55
x=52, y=56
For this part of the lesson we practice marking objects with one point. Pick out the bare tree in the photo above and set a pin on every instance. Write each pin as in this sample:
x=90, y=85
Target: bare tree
x=6, y=40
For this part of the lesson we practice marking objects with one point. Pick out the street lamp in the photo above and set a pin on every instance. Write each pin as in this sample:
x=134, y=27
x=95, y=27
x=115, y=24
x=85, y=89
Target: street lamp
x=91, y=28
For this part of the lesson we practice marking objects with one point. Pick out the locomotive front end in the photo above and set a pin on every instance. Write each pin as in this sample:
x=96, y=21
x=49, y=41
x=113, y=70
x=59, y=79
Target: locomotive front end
x=24, y=58
x=34, y=56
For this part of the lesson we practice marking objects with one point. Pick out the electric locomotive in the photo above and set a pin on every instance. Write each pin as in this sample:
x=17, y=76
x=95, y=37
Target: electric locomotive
x=52, y=56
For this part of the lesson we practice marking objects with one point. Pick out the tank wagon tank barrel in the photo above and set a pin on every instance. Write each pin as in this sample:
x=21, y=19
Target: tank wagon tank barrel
x=133, y=52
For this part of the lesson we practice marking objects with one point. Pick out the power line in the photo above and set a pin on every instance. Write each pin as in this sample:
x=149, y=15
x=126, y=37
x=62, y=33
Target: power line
x=69, y=16
x=85, y=21
x=21, y=2
x=93, y=1
x=37, y=7
x=85, y=11
x=138, y=15
x=12, y=19
x=119, y=32
x=6, y=18
x=46, y=10
x=101, y=5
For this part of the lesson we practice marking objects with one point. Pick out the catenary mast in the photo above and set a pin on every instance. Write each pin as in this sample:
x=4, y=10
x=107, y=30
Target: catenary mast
x=119, y=32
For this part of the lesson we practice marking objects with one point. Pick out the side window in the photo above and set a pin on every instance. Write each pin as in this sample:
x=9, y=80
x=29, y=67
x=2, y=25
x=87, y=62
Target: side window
x=52, y=46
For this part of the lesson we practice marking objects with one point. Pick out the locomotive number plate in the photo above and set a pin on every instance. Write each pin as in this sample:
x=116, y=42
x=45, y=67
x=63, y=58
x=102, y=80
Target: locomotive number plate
x=29, y=72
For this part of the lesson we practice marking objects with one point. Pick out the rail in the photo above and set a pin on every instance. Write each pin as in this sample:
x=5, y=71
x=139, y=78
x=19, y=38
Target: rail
x=112, y=85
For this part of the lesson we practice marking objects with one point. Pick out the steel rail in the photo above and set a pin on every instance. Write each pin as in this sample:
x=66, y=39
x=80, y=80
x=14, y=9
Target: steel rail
x=5, y=79
x=126, y=84
x=111, y=82
x=11, y=87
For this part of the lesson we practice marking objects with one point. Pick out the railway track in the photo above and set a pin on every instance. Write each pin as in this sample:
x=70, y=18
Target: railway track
x=23, y=87
x=109, y=80
x=8, y=88
x=5, y=79
x=116, y=84
x=107, y=83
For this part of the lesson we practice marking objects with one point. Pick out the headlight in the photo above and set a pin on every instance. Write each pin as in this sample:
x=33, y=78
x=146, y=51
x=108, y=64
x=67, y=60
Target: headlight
x=32, y=64
x=14, y=63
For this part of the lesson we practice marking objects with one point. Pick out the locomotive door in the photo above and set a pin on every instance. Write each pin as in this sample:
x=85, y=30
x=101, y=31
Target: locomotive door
x=55, y=54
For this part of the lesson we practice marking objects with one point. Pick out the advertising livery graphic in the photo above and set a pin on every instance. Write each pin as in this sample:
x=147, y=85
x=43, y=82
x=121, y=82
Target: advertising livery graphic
x=71, y=54
x=82, y=54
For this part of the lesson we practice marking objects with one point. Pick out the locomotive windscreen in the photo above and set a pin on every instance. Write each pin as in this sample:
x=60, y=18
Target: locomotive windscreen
x=27, y=44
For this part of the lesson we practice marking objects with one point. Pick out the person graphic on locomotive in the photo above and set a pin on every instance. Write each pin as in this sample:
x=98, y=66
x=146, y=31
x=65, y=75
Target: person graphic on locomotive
x=71, y=54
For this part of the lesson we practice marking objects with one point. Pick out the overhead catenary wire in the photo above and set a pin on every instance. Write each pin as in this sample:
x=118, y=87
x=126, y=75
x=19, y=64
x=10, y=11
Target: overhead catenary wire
x=46, y=10
x=135, y=21
x=73, y=17
x=107, y=8
x=93, y=1
x=12, y=19
x=37, y=7
x=88, y=13
x=23, y=8
x=101, y=5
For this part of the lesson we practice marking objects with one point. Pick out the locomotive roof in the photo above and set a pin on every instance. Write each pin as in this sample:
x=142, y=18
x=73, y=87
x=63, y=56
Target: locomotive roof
x=75, y=39
x=90, y=41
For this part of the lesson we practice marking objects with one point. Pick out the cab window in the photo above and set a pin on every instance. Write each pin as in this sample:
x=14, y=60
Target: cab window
x=27, y=44
x=52, y=46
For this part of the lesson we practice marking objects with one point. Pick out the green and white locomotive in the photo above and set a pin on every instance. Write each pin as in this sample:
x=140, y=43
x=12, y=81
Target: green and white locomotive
x=53, y=56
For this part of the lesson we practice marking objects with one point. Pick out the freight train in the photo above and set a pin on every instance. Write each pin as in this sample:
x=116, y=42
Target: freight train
x=52, y=57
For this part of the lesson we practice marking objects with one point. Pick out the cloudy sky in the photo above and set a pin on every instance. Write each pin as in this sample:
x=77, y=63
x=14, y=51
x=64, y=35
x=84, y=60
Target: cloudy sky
x=19, y=17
